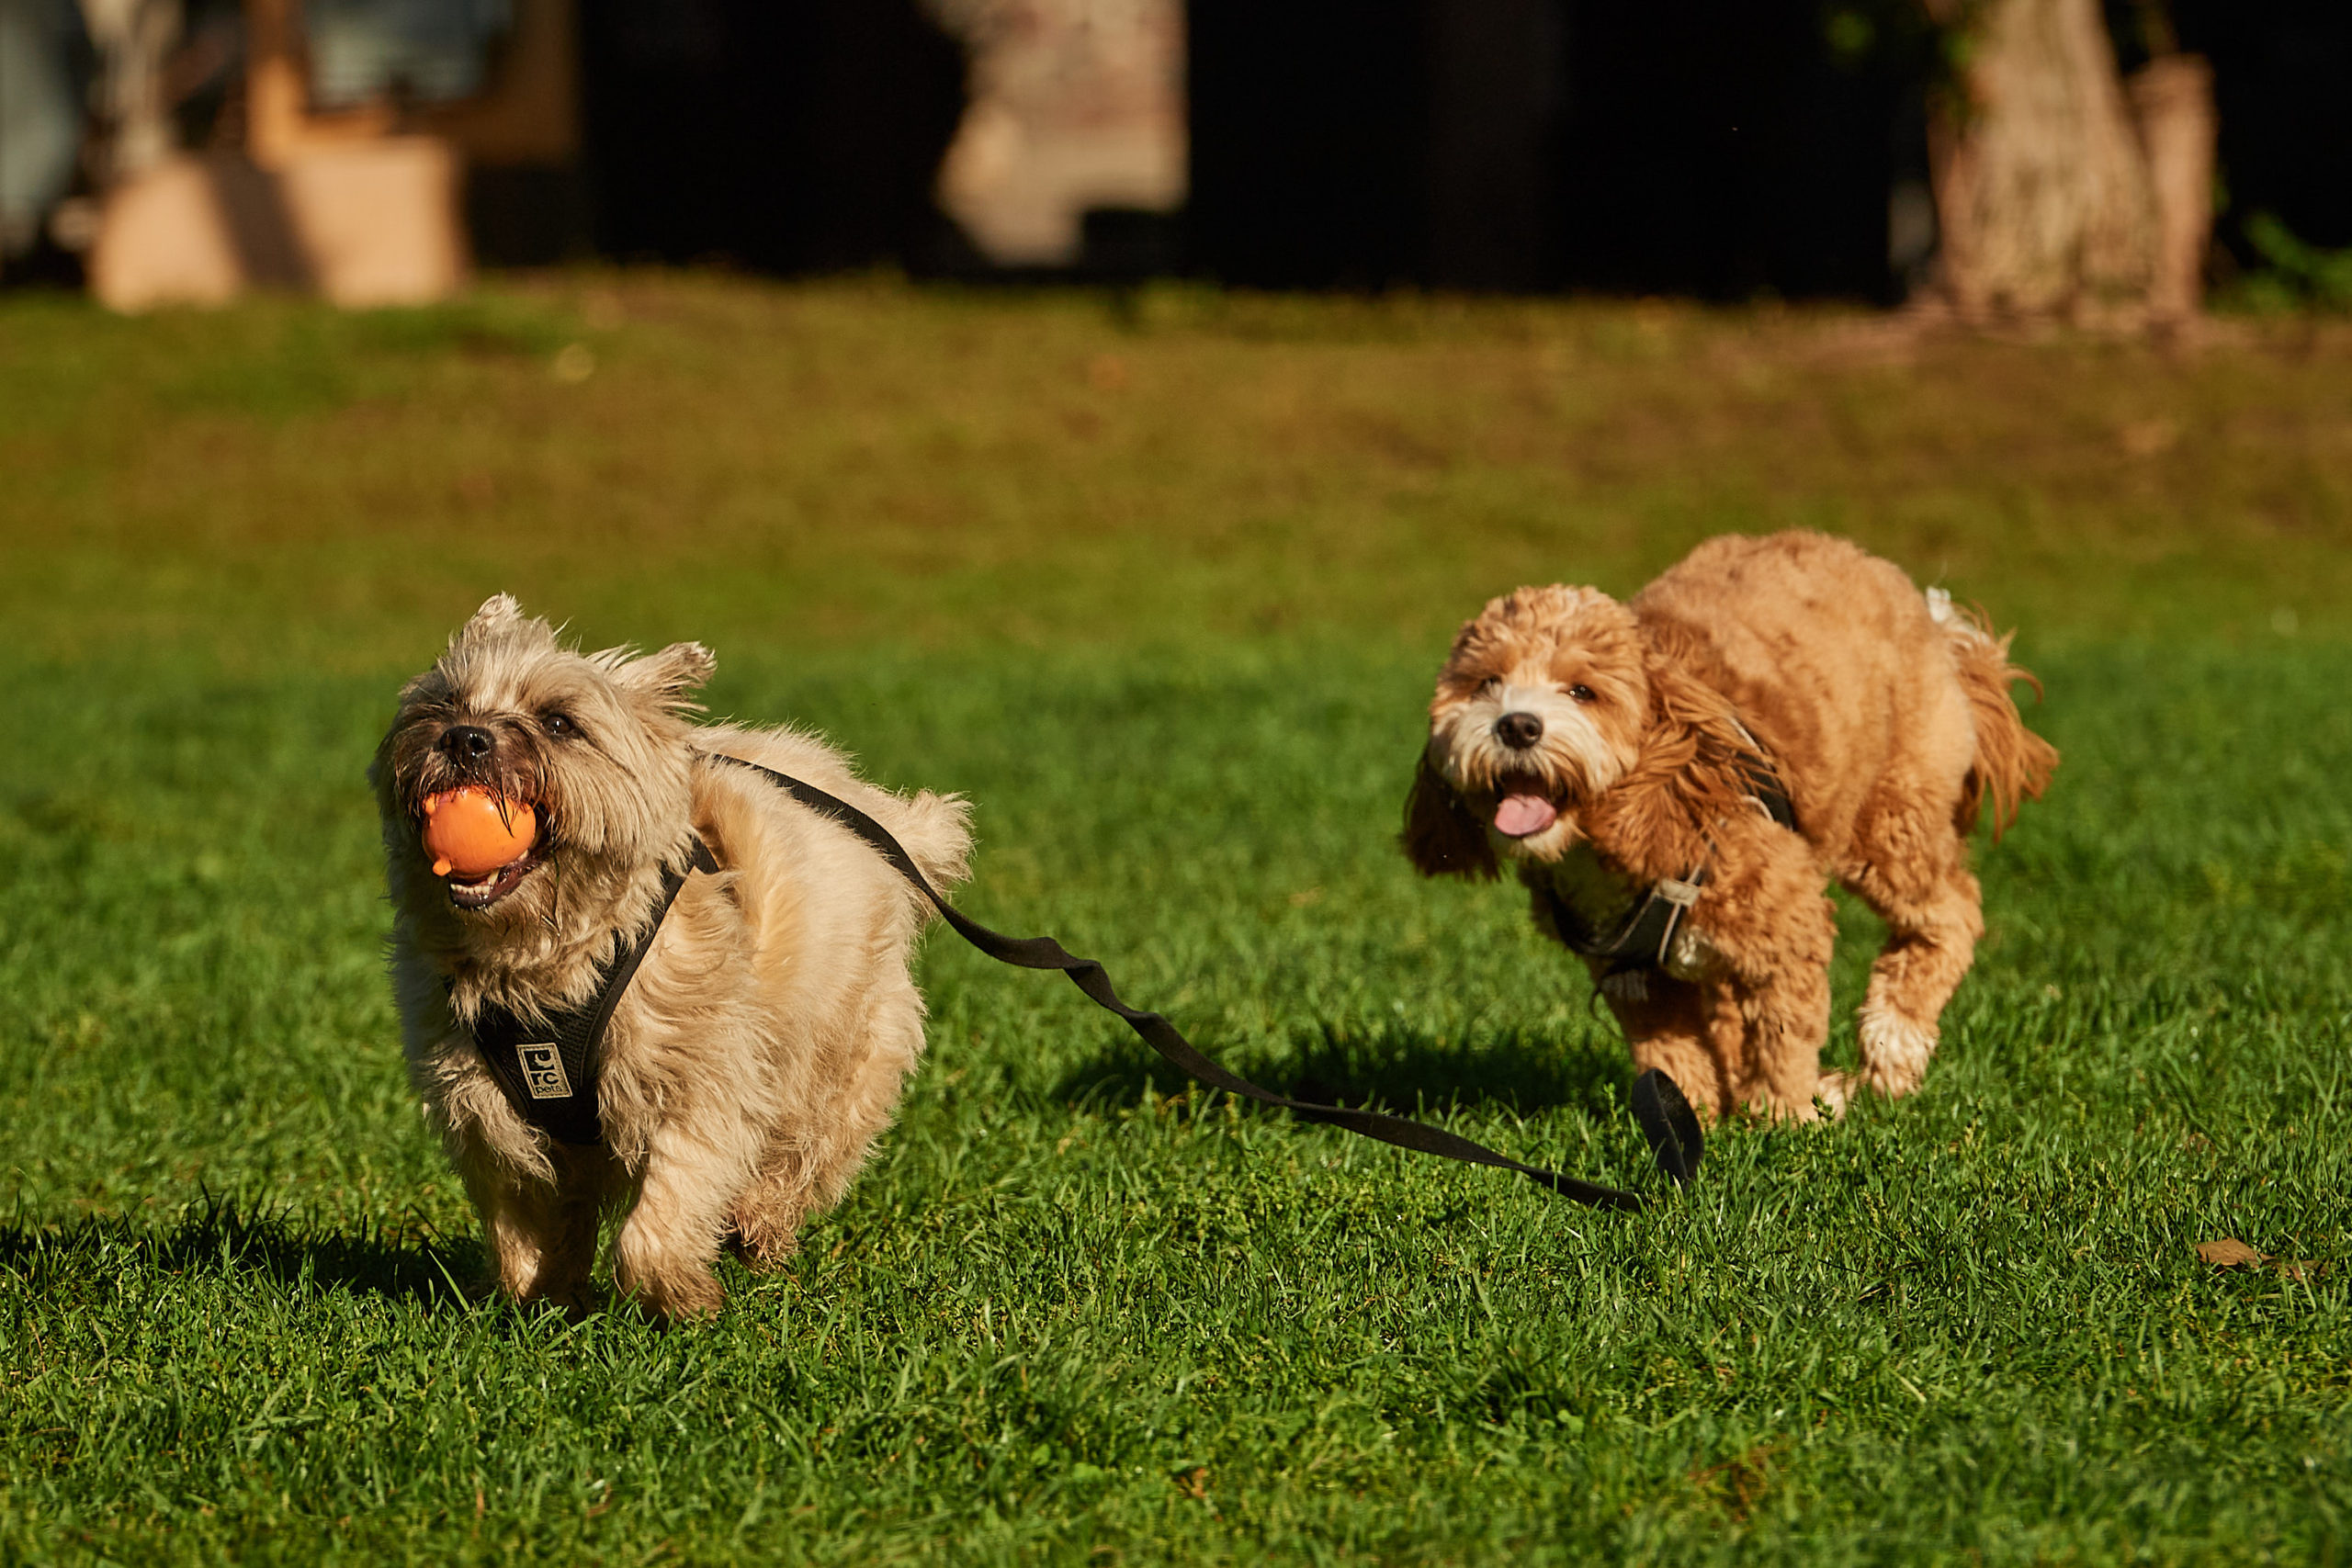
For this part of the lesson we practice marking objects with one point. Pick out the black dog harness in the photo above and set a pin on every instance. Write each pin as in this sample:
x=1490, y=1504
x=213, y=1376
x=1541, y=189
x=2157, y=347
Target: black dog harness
x=550, y=1070
x=1644, y=938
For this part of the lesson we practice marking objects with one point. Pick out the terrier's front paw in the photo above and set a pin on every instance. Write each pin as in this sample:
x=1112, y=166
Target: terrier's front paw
x=576, y=1301
x=1835, y=1092
x=686, y=1295
x=762, y=1252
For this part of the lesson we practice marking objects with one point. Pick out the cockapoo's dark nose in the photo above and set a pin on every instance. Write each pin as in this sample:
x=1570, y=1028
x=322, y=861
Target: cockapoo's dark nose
x=1519, y=731
x=467, y=742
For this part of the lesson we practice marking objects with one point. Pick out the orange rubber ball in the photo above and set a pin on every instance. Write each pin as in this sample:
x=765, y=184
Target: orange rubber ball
x=474, y=832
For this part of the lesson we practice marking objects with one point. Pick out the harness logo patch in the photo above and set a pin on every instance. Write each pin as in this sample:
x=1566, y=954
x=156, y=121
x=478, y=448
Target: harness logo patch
x=543, y=1069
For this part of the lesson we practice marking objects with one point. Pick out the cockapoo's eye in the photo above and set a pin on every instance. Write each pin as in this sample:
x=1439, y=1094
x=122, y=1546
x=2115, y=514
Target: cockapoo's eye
x=1581, y=693
x=1490, y=685
x=560, y=724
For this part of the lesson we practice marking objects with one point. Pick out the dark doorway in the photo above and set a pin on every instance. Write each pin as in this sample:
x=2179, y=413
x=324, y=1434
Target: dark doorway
x=2282, y=84
x=1712, y=147
x=1309, y=123
x=782, y=135
x=1722, y=147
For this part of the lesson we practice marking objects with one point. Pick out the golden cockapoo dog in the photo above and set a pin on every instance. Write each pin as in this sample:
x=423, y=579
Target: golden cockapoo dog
x=1612, y=749
x=762, y=1043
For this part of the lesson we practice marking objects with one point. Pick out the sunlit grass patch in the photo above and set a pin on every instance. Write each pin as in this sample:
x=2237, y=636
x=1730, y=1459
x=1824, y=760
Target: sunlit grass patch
x=1161, y=589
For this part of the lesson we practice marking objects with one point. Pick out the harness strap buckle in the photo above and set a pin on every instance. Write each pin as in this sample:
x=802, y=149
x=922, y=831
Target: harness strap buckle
x=1678, y=893
x=1632, y=986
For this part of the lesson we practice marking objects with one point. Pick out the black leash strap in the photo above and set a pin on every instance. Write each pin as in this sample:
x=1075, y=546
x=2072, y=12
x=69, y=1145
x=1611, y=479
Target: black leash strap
x=1665, y=1116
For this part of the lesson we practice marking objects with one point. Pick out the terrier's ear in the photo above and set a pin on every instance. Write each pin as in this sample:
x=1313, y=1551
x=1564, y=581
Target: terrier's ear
x=498, y=613
x=670, y=676
x=1442, y=838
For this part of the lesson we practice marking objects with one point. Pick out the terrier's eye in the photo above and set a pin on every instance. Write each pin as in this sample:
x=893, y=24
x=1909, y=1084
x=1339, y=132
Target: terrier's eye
x=560, y=724
x=1581, y=693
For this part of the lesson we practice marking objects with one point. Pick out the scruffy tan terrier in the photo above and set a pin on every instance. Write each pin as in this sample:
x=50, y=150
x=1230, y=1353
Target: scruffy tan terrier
x=1676, y=779
x=762, y=1043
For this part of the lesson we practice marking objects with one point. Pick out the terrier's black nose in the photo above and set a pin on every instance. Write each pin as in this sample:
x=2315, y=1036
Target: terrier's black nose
x=467, y=742
x=1519, y=731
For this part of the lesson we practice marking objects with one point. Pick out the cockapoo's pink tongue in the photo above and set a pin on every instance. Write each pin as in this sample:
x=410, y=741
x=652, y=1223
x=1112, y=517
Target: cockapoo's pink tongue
x=1520, y=815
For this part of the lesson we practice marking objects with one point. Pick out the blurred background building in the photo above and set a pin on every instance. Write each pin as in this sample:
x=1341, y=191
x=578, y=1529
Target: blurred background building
x=2021, y=156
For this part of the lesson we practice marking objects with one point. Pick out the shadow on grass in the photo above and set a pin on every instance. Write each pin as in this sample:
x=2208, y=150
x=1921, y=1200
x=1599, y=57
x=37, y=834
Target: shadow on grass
x=220, y=1239
x=1398, y=1069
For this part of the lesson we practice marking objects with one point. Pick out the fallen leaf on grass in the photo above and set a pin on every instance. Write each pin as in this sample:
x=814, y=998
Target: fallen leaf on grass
x=2229, y=1253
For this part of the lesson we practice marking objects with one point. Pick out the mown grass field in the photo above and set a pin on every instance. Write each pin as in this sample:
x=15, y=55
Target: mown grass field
x=1160, y=581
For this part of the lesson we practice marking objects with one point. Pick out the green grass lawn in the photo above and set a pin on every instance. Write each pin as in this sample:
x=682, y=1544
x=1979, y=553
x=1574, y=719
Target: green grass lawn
x=1161, y=582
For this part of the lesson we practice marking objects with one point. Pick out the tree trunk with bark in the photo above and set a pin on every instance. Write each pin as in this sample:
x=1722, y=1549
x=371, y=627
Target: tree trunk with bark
x=2172, y=98
x=2041, y=191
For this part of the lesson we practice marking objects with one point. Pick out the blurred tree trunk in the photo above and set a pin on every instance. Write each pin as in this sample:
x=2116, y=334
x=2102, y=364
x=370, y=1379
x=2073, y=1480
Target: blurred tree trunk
x=2041, y=192
x=2172, y=99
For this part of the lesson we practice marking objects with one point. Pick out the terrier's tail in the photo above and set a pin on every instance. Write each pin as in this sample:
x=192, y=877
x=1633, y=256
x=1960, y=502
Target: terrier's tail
x=2013, y=763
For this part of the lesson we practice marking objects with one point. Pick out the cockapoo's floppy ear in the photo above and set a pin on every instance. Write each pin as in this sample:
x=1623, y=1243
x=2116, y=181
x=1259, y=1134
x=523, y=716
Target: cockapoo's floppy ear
x=670, y=676
x=1442, y=838
x=1691, y=770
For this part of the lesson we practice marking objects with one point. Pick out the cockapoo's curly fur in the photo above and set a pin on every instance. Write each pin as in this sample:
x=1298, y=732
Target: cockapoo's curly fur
x=763, y=1042
x=1601, y=747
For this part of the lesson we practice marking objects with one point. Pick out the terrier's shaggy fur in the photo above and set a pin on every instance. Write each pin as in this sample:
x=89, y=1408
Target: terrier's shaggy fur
x=1598, y=747
x=762, y=1044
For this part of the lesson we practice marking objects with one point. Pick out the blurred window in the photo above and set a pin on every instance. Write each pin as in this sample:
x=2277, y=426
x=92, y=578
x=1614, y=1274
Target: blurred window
x=43, y=75
x=420, y=50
